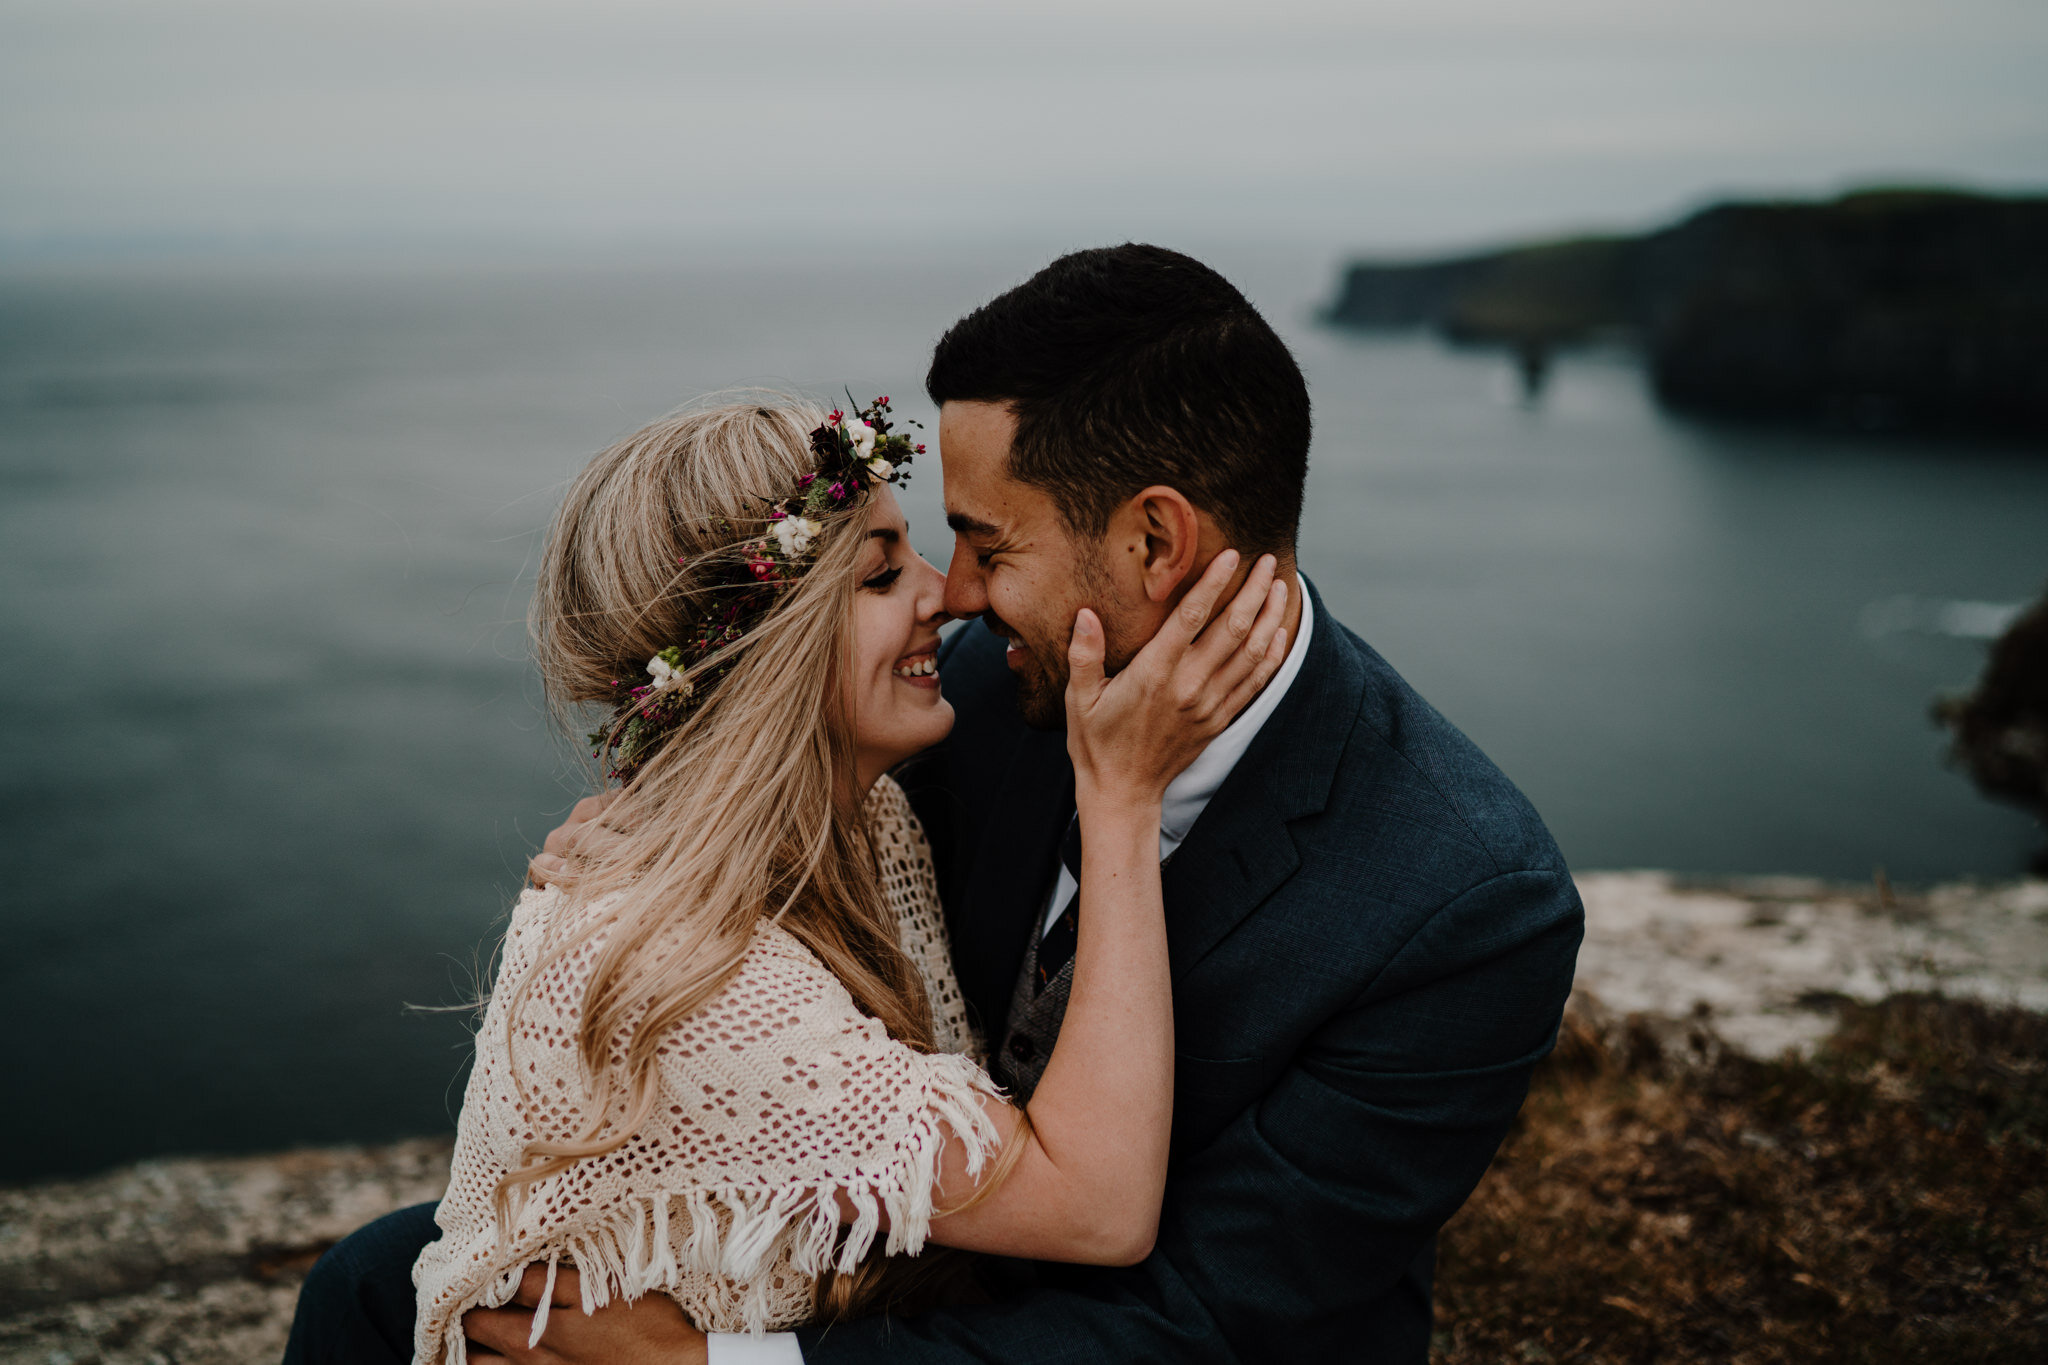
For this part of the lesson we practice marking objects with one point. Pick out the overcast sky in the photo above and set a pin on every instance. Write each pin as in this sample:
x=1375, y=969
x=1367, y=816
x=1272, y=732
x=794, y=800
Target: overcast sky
x=139, y=127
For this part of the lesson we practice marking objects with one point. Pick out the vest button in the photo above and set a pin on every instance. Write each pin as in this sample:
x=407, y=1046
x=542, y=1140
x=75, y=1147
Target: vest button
x=1021, y=1047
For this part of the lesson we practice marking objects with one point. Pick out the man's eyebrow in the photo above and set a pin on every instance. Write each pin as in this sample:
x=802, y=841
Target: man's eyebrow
x=970, y=526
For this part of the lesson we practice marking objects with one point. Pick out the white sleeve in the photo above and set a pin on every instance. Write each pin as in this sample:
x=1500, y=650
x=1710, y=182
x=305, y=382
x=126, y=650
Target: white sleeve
x=738, y=1348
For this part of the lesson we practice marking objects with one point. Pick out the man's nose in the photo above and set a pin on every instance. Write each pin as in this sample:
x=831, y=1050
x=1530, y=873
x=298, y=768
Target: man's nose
x=966, y=595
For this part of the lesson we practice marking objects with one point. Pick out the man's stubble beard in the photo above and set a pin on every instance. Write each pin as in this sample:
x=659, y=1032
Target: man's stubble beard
x=1042, y=690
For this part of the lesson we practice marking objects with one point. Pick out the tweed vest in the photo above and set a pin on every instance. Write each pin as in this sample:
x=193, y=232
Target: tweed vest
x=1033, y=1025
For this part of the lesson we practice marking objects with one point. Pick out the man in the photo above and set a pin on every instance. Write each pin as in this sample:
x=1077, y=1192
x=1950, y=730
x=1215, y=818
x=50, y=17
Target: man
x=1372, y=934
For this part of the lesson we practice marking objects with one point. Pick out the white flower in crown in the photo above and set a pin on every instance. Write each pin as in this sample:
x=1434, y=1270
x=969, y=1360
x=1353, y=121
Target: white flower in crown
x=667, y=675
x=881, y=468
x=863, y=437
x=795, y=534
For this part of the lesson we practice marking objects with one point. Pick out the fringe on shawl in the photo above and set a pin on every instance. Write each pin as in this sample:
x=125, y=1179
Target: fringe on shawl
x=737, y=1232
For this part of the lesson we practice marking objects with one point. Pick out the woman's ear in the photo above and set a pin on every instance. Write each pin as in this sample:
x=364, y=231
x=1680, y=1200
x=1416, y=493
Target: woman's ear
x=1172, y=532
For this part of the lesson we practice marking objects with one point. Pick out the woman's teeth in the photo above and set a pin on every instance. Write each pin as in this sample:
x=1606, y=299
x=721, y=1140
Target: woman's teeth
x=918, y=668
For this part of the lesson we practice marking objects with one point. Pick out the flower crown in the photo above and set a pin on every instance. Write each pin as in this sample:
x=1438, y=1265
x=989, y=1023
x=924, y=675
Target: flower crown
x=745, y=582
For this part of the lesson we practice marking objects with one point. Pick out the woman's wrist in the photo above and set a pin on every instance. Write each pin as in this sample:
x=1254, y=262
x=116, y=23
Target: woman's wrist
x=1110, y=811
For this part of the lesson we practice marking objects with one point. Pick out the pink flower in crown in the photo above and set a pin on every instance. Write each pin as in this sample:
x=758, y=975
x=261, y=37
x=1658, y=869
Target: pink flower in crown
x=838, y=492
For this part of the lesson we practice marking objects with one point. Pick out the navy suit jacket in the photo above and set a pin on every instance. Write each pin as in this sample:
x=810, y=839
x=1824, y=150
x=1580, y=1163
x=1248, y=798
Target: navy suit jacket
x=1372, y=938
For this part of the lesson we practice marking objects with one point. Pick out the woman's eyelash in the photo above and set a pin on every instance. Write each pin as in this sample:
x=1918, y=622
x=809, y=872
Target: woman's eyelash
x=882, y=582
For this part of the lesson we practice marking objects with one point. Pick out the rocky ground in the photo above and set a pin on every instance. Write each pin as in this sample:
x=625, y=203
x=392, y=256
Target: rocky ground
x=1730, y=1093
x=1765, y=961
x=192, y=1262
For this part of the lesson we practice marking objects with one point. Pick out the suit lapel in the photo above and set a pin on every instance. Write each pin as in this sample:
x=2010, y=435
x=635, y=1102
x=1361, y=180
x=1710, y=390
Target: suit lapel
x=1010, y=870
x=1240, y=851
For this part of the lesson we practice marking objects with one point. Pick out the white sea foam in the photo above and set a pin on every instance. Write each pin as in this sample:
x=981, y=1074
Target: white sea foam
x=1962, y=619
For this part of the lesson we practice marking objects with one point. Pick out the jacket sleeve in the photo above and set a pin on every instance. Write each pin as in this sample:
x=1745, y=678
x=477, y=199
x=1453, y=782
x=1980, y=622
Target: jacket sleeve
x=1292, y=1230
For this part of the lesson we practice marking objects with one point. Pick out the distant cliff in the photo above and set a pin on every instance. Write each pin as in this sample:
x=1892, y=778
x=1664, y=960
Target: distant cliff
x=2001, y=728
x=1884, y=309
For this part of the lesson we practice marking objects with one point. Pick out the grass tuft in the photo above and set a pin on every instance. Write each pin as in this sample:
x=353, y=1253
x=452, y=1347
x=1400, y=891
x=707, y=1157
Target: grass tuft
x=1662, y=1199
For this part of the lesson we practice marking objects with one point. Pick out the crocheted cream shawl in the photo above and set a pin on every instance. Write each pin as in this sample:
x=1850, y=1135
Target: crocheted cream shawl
x=776, y=1098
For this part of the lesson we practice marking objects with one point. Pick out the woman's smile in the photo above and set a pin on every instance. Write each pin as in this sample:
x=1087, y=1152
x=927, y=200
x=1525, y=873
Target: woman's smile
x=920, y=669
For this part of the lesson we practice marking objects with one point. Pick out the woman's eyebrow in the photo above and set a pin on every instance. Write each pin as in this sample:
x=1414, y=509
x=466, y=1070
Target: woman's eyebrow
x=884, y=533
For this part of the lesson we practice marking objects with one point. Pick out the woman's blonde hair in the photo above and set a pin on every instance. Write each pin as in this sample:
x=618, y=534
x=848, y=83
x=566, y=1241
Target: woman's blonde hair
x=744, y=811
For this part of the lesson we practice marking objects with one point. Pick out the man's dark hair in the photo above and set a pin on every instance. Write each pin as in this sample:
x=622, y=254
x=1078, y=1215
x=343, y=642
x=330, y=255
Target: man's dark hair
x=1131, y=365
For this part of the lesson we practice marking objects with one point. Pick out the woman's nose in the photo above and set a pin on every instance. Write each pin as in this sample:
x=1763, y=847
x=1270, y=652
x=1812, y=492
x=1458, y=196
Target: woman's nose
x=931, y=594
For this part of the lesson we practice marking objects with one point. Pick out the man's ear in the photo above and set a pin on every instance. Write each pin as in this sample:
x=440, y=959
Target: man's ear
x=1172, y=532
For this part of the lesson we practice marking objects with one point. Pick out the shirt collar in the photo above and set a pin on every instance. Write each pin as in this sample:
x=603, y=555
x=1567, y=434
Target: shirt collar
x=1187, y=796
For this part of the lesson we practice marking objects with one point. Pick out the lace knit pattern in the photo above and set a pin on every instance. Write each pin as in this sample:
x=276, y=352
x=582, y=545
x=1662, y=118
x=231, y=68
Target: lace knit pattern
x=911, y=887
x=777, y=1098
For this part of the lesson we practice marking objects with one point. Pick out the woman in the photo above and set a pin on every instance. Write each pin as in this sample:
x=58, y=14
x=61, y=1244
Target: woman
x=726, y=1058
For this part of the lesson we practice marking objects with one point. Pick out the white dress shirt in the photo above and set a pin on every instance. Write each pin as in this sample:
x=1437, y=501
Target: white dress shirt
x=1186, y=797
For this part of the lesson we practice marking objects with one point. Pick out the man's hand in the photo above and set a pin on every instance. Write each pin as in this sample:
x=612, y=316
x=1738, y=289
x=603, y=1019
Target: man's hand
x=567, y=839
x=649, y=1331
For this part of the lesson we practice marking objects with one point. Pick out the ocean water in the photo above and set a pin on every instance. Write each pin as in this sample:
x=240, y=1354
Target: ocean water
x=271, y=757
